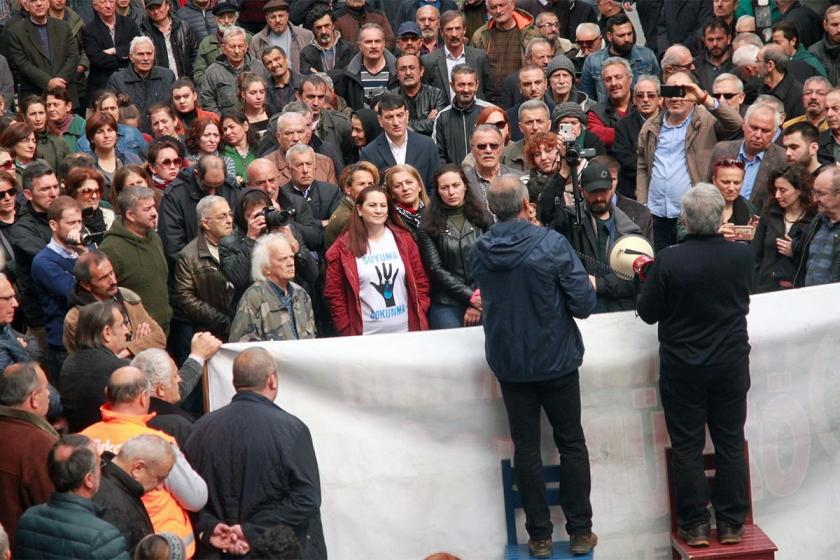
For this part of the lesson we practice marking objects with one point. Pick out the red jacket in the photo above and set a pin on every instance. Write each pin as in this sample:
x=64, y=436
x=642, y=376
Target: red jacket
x=342, y=284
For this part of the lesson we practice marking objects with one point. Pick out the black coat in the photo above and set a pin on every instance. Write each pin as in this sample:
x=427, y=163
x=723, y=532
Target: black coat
x=420, y=152
x=772, y=270
x=446, y=258
x=184, y=45
x=310, y=57
x=624, y=150
x=28, y=236
x=84, y=376
x=429, y=98
x=144, y=92
x=119, y=496
x=97, y=38
x=682, y=19
x=322, y=198
x=171, y=419
x=241, y=489
x=570, y=13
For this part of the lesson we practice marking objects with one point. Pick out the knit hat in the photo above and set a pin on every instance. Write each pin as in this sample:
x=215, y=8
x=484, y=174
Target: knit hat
x=568, y=109
x=559, y=62
x=176, y=546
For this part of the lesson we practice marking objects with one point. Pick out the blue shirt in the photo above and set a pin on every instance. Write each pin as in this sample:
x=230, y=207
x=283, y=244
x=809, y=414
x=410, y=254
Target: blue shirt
x=669, y=179
x=821, y=252
x=750, y=170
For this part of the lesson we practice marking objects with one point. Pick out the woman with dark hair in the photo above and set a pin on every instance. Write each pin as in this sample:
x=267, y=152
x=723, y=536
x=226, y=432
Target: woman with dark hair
x=451, y=225
x=405, y=188
x=101, y=132
x=50, y=148
x=60, y=114
x=364, y=127
x=375, y=279
x=165, y=160
x=248, y=225
x=86, y=186
x=133, y=175
x=240, y=141
x=203, y=139
x=250, y=88
x=129, y=139
x=779, y=238
x=8, y=190
x=19, y=139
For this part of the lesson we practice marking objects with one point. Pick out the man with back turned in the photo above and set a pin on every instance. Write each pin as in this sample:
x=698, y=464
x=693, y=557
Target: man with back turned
x=519, y=268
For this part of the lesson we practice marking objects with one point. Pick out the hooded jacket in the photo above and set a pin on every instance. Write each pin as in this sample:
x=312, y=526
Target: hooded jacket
x=829, y=55
x=521, y=268
x=140, y=264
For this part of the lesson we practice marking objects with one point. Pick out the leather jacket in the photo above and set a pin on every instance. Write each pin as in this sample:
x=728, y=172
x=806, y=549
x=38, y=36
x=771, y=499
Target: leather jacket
x=427, y=99
x=202, y=290
x=446, y=258
x=184, y=45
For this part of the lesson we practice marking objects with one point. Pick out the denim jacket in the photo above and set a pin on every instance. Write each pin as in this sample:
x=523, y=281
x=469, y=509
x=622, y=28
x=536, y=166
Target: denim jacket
x=642, y=61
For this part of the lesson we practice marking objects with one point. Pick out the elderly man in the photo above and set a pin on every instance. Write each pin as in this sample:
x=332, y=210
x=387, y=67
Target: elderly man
x=677, y=59
x=729, y=89
x=533, y=117
x=699, y=293
x=503, y=39
x=145, y=83
x=533, y=85
x=139, y=467
x=486, y=149
x=428, y=20
x=274, y=307
x=69, y=523
x=823, y=237
x=560, y=75
x=674, y=152
x=777, y=81
x=174, y=41
x=201, y=289
x=327, y=52
x=371, y=72
x=95, y=280
x=124, y=415
x=830, y=139
x=538, y=52
x=760, y=155
x=438, y=64
x=292, y=130
x=225, y=15
x=814, y=92
x=322, y=198
x=24, y=401
x=454, y=123
x=424, y=101
x=541, y=375
x=621, y=42
x=399, y=145
x=43, y=52
x=258, y=433
x=408, y=38
x=617, y=76
x=136, y=252
x=164, y=377
x=218, y=92
x=646, y=104
x=278, y=31
x=588, y=37
x=107, y=37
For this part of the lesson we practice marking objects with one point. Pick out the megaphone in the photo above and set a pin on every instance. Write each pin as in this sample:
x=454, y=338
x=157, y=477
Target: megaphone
x=631, y=255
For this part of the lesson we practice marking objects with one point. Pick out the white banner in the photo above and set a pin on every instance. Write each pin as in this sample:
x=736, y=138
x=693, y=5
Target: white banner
x=409, y=431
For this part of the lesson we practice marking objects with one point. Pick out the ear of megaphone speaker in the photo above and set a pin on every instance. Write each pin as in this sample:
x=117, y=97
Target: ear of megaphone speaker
x=631, y=255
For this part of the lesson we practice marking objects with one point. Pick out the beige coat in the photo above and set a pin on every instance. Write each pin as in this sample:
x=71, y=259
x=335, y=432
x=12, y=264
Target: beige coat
x=705, y=130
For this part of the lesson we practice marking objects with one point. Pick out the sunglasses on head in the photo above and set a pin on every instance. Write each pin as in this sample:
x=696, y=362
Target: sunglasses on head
x=729, y=162
x=724, y=95
x=498, y=124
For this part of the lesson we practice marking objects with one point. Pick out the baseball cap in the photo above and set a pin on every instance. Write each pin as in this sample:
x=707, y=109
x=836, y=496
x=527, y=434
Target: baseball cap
x=150, y=3
x=408, y=28
x=595, y=177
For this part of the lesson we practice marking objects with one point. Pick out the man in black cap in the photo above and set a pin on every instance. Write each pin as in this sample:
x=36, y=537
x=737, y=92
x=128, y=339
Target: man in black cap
x=278, y=31
x=175, y=43
x=408, y=38
x=225, y=14
x=601, y=225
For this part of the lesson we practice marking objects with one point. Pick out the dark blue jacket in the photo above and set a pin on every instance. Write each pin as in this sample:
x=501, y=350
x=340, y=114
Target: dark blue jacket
x=68, y=526
x=532, y=285
x=52, y=276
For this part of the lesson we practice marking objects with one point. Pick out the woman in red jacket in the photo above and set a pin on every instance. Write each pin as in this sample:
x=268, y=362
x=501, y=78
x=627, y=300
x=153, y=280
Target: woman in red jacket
x=375, y=279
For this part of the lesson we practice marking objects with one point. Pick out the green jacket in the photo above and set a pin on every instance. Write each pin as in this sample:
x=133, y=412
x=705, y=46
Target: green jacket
x=263, y=315
x=76, y=131
x=208, y=51
x=51, y=149
x=141, y=267
x=804, y=54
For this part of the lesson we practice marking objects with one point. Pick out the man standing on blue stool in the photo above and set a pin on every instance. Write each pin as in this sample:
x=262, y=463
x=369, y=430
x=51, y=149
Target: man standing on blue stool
x=531, y=285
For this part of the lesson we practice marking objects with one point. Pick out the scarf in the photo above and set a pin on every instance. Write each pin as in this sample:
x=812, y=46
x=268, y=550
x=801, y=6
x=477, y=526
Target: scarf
x=409, y=215
x=159, y=183
x=63, y=126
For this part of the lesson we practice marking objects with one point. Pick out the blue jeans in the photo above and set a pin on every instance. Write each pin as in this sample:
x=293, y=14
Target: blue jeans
x=446, y=316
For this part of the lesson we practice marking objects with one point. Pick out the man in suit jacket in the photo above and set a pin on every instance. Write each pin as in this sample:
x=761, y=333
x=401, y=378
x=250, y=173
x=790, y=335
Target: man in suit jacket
x=438, y=65
x=107, y=53
x=323, y=198
x=758, y=152
x=398, y=145
x=44, y=52
x=291, y=130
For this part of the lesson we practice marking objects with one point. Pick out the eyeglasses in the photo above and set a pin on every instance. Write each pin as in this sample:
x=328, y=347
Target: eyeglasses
x=587, y=44
x=222, y=217
x=498, y=124
x=548, y=24
x=491, y=145
x=10, y=193
x=725, y=95
x=87, y=191
x=170, y=162
x=730, y=162
x=647, y=95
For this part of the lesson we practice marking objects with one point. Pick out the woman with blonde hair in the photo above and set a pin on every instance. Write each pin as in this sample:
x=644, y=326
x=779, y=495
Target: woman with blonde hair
x=405, y=187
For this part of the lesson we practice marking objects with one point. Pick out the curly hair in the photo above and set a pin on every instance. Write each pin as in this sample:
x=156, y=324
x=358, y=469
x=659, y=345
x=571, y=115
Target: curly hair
x=801, y=180
x=537, y=142
x=77, y=177
x=196, y=129
x=434, y=219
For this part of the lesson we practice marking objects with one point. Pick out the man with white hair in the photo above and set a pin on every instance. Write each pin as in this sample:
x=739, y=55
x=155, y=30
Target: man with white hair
x=164, y=378
x=145, y=83
x=323, y=198
x=778, y=81
x=292, y=130
x=588, y=39
x=677, y=58
x=274, y=307
x=218, y=92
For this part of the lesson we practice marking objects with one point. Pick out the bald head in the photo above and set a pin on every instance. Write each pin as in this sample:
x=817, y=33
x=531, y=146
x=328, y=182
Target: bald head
x=126, y=386
x=253, y=370
x=149, y=448
x=507, y=197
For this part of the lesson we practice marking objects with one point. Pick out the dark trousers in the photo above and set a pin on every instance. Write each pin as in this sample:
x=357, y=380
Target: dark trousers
x=717, y=399
x=664, y=232
x=560, y=398
x=55, y=359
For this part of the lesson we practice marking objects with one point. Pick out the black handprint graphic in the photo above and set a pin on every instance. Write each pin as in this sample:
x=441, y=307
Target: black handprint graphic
x=386, y=283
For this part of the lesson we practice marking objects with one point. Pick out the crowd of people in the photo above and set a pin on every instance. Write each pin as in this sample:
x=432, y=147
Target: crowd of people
x=178, y=174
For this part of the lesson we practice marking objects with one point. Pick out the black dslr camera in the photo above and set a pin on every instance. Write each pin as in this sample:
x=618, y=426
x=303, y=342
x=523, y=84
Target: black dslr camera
x=275, y=218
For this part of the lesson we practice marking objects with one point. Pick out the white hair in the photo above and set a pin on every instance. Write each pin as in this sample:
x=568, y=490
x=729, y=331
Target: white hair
x=233, y=32
x=260, y=254
x=205, y=206
x=286, y=118
x=765, y=104
x=299, y=149
x=726, y=76
x=588, y=26
x=702, y=209
x=743, y=56
x=156, y=364
x=139, y=40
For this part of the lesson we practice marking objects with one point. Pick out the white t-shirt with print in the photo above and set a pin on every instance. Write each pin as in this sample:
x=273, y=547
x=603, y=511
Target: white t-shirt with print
x=382, y=288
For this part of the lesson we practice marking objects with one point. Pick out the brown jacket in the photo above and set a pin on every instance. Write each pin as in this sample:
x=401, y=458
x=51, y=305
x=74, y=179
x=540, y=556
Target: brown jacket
x=324, y=168
x=24, y=481
x=202, y=291
x=705, y=130
x=136, y=314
